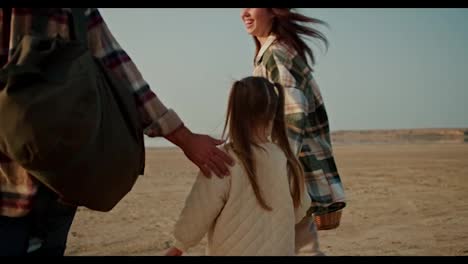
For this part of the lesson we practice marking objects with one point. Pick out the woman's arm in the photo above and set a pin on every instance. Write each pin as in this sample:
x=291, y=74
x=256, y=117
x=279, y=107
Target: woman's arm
x=296, y=103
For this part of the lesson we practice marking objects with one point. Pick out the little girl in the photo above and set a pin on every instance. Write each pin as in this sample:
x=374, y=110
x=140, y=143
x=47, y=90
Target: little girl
x=254, y=211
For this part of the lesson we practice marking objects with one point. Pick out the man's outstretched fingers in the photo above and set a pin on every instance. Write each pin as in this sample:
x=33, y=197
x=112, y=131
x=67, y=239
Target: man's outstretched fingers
x=214, y=168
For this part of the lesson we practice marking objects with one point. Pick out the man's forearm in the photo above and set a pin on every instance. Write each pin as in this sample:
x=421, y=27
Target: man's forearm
x=179, y=136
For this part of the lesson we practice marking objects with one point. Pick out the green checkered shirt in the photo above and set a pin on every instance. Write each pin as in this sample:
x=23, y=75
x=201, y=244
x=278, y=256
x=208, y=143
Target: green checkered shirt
x=306, y=118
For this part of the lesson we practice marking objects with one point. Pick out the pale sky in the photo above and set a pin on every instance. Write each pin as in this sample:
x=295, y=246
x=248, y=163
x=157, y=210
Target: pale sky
x=385, y=68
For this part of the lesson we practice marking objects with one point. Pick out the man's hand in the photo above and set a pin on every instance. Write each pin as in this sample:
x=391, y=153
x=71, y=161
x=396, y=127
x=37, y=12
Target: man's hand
x=202, y=151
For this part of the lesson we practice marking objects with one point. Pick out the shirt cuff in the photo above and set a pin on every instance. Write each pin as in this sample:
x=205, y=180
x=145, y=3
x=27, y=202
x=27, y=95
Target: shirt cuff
x=164, y=125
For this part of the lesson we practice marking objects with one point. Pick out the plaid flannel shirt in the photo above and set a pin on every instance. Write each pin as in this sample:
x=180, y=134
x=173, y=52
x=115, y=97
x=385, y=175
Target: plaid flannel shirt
x=17, y=188
x=306, y=118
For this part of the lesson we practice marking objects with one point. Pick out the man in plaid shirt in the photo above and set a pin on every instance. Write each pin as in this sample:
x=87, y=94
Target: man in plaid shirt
x=24, y=202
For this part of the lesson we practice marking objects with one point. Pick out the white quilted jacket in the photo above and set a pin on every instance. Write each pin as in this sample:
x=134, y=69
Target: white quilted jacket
x=227, y=210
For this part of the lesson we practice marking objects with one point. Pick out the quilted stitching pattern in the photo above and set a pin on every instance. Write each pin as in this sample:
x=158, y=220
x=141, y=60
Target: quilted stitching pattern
x=237, y=225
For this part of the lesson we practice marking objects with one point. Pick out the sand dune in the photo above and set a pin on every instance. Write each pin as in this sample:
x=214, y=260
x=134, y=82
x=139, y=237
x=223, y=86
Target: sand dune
x=409, y=136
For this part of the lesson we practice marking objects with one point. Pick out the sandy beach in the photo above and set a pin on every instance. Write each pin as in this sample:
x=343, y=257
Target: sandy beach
x=403, y=199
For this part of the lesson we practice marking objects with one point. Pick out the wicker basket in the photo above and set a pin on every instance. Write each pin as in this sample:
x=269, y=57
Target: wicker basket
x=328, y=221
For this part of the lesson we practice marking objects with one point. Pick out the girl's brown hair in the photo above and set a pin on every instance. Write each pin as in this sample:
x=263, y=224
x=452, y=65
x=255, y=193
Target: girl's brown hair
x=288, y=27
x=254, y=102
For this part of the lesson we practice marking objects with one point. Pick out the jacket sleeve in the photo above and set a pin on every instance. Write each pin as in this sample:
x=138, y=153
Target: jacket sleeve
x=296, y=104
x=301, y=211
x=202, y=206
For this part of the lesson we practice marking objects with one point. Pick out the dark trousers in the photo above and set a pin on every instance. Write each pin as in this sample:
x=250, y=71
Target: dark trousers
x=49, y=220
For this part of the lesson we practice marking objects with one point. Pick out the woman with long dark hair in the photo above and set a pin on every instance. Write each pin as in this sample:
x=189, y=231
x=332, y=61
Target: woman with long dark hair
x=282, y=56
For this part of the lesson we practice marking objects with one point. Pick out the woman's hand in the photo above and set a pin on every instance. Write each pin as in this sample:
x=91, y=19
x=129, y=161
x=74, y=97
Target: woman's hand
x=173, y=251
x=202, y=151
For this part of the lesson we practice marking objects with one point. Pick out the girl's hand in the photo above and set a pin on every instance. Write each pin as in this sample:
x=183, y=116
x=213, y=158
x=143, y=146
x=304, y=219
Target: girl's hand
x=173, y=251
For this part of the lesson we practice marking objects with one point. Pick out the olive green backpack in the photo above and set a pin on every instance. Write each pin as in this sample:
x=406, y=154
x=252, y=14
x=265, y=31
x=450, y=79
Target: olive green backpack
x=67, y=120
